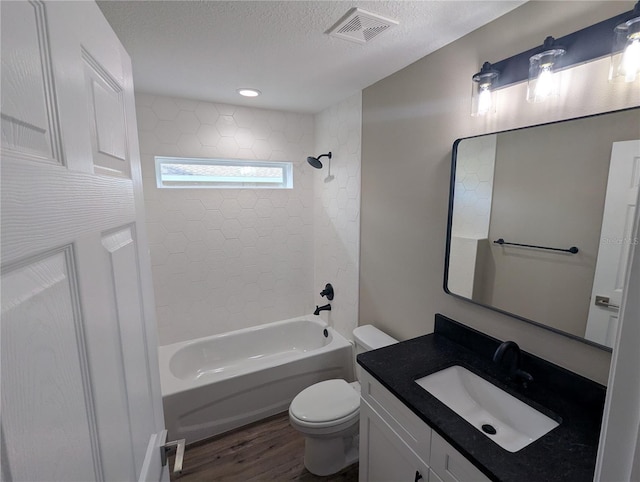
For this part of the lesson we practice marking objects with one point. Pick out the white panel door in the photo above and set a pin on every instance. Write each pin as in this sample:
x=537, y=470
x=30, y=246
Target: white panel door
x=80, y=392
x=615, y=241
x=619, y=448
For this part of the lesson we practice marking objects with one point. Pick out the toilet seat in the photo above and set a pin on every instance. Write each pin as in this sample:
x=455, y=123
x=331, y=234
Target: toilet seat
x=331, y=403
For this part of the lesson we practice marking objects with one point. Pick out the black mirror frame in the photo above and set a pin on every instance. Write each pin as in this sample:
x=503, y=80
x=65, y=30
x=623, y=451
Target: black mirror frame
x=452, y=183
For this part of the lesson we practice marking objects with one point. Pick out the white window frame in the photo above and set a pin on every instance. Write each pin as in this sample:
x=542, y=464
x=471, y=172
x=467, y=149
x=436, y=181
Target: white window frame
x=164, y=182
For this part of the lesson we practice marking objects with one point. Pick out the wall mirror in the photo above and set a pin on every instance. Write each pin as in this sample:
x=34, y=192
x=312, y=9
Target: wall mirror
x=540, y=221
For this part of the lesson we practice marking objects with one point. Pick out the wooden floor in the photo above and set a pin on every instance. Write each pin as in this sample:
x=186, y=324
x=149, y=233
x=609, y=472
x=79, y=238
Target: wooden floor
x=270, y=450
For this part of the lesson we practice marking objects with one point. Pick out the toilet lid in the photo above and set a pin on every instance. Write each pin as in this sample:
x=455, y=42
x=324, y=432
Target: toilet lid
x=325, y=401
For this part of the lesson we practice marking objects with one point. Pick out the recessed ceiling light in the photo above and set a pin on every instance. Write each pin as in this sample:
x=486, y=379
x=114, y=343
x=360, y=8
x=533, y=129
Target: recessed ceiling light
x=248, y=92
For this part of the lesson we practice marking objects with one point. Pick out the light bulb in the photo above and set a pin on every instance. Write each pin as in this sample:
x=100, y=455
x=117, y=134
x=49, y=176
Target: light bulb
x=631, y=60
x=484, y=100
x=625, y=53
x=544, y=85
x=484, y=82
x=542, y=78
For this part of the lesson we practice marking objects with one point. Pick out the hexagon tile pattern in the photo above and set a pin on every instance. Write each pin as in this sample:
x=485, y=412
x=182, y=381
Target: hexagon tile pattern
x=337, y=211
x=474, y=185
x=225, y=259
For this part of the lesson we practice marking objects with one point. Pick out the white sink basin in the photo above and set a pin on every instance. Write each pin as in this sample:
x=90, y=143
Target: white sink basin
x=481, y=403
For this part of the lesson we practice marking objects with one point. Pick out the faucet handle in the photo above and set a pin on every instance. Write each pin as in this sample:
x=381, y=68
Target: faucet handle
x=524, y=377
x=327, y=291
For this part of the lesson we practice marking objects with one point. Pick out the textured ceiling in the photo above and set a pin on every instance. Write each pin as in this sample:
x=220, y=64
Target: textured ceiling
x=207, y=49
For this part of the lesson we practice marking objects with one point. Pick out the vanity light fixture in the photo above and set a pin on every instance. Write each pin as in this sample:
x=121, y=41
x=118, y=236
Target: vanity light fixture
x=247, y=92
x=544, y=80
x=482, y=95
x=541, y=64
x=625, y=55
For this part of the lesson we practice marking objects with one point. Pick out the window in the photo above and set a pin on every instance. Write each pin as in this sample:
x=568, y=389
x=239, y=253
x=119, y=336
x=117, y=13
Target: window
x=178, y=172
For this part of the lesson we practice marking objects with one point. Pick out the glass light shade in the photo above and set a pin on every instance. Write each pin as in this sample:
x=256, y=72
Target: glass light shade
x=625, y=57
x=483, y=100
x=544, y=81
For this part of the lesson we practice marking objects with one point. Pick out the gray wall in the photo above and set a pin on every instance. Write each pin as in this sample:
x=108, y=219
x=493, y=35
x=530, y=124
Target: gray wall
x=410, y=121
x=551, y=194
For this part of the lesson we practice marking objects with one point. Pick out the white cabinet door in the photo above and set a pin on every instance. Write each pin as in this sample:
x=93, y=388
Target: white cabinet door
x=433, y=477
x=409, y=427
x=80, y=383
x=450, y=465
x=395, y=445
x=384, y=457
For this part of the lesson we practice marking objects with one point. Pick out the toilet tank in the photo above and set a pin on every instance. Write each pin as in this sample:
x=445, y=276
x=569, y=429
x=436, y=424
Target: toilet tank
x=368, y=337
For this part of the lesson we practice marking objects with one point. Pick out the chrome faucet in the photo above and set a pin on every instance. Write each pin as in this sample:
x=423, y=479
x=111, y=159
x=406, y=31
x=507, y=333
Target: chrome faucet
x=326, y=307
x=515, y=372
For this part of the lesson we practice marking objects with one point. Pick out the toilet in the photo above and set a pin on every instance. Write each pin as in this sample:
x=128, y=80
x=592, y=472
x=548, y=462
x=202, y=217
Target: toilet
x=327, y=413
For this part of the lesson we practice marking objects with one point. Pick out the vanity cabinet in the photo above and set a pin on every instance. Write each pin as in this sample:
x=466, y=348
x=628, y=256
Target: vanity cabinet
x=449, y=465
x=396, y=445
x=387, y=456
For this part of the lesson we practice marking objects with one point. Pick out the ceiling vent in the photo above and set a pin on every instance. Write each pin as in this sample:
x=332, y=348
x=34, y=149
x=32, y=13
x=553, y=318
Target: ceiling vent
x=361, y=26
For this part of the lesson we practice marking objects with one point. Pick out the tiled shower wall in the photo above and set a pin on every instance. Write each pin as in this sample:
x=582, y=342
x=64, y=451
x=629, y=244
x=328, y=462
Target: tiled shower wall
x=476, y=158
x=337, y=211
x=225, y=259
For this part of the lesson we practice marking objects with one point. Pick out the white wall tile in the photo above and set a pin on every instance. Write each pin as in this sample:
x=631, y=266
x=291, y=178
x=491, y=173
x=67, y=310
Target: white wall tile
x=228, y=259
x=474, y=185
x=232, y=258
x=337, y=209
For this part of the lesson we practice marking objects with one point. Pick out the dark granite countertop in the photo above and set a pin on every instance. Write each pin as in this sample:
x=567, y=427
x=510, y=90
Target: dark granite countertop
x=567, y=453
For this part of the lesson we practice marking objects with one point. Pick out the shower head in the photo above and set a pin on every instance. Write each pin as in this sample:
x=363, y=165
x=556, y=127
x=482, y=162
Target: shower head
x=315, y=161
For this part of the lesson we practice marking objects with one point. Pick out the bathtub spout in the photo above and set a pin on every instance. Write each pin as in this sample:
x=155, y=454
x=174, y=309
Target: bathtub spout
x=326, y=307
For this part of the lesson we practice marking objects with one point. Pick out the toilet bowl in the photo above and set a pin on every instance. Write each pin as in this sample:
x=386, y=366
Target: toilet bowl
x=328, y=413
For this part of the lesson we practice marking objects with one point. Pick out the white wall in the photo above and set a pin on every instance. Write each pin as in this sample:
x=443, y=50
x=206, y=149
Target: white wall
x=231, y=258
x=337, y=211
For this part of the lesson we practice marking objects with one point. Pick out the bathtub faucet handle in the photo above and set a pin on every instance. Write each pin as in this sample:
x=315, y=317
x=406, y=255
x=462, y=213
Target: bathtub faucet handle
x=327, y=291
x=326, y=307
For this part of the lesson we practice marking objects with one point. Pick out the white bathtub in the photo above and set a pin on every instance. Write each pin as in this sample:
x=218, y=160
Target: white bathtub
x=218, y=383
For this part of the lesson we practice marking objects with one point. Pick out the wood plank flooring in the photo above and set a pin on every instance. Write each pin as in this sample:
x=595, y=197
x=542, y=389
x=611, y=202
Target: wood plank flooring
x=269, y=450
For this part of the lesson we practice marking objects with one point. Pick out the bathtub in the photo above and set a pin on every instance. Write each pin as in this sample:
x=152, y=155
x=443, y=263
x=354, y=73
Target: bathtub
x=214, y=384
